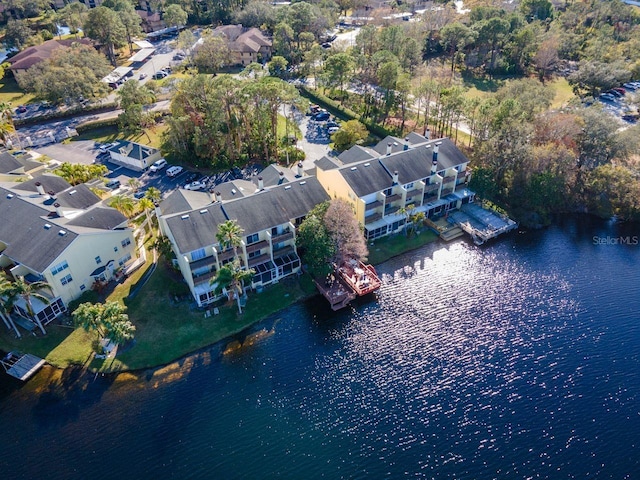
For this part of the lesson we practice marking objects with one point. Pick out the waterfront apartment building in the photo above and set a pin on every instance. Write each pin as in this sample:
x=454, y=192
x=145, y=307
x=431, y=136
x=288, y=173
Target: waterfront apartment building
x=268, y=210
x=380, y=182
x=63, y=235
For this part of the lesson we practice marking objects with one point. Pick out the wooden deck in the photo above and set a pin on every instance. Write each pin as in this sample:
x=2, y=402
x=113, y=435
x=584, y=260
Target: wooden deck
x=360, y=278
x=337, y=294
x=21, y=366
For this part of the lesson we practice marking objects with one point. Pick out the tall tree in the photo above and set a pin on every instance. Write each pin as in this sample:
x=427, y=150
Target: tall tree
x=351, y=133
x=131, y=21
x=231, y=277
x=8, y=296
x=105, y=26
x=455, y=37
x=108, y=320
x=28, y=291
x=73, y=15
x=229, y=235
x=17, y=34
x=174, y=16
x=212, y=54
x=345, y=232
x=123, y=204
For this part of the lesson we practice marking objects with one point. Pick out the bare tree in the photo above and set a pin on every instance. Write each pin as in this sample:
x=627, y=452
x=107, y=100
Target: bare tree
x=345, y=232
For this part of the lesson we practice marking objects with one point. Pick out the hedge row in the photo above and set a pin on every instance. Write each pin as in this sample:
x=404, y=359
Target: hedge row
x=338, y=110
x=85, y=127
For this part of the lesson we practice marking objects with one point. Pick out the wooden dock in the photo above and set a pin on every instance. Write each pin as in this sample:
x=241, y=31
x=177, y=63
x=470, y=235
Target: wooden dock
x=337, y=294
x=482, y=224
x=21, y=365
x=360, y=278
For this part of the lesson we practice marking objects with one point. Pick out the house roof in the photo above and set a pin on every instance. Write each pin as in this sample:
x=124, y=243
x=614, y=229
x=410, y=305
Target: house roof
x=413, y=164
x=254, y=213
x=32, y=239
x=197, y=228
x=356, y=154
x=133, y=150
x=326, y=163
x=12, y=164
x=274, y=175
x=36, y=54
x=104, y=218
x=50, y=183
x=184, y=200
x=241, y=39
x=277, y=205
x=79, y=196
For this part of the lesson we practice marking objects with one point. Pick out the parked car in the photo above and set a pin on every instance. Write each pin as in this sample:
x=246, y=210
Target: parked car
x=174, y=171
x=160, y=75
x=333, y=130
x=142, y=76
x=608, y=97
x=192, y=176
x=113, y=184
x=21, y=109
x=106, y=147
x=630, y=86
x=158, y=165
x=614, y=93
x=321, y=116
x=620, y=90
x=197, y=185
x=326, y=45
x=332, y=123
x=178, y=56
x=140, y=194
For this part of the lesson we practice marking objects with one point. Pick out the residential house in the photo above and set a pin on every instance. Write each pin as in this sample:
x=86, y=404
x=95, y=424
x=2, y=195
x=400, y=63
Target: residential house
x=246, y=45
x=134, y=155
x=379, y=182
x=63, y=235
x=18, y=168
x=268, y=215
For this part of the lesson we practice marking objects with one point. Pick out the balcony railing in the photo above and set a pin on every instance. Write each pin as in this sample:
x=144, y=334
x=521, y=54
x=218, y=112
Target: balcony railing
x=393, y=198
x=449, y=179
x=432, y=188
x=258, y=260
x=254, y=247
x=372, y=205
x=372, y=218
x=283, y=237
x=281, y=252
x=446, y=191
x=414, y=192
x=226, y=255
x=430, y=198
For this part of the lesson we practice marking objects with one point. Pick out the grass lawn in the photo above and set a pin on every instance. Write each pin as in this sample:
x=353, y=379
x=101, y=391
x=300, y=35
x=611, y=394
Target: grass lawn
x=563, y=90
x=385, y=248
x=11, y=93
x=152, y=137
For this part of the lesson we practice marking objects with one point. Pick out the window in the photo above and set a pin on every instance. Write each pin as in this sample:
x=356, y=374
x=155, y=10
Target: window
x=124, y=259
x=254, y=254
x=66, y=279
x=252, y=238
x=387, y=192
x=115, y=249
x=82, y=287
x=197, y=254
x=409, y=186
x=125, y=242
x=59, y=267
x=98, y=260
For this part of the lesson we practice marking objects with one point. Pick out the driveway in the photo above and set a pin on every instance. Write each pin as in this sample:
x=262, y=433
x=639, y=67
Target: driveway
x=315, y=139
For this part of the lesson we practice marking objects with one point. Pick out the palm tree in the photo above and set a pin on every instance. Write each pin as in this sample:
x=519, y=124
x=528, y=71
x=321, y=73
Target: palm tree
x=153, y=194
x=124, y=205
x=232, y=276
x=28, y=291
x=146, y=205
x=230, y=235
x=109, y=320
x=7, y=299
x=134, y=183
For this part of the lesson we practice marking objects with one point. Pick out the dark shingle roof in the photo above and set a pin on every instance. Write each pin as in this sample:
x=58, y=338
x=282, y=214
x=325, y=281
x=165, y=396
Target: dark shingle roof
x=10, y=163
x=100, y=217
x=133, y=149
x=271, y=176
x=50, y=183
x=412, y=165
x=277, y=205
x=23, y=230
x=195, y=230
x=325, y=163
x=355, y=154
x=79, y=196
x=183, y=201
x=396, y=145
x=415, y=138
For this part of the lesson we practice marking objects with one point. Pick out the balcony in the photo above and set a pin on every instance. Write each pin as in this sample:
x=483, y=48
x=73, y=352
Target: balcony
x=258, y=260
x=226, y=255
x=283, y=237
x=281, y=252
x=372, y=205
x=372, y=218
x=463, y=179
x=393, y=198
x=449, y=179
x=391, y=211
x=431, y=188
x=413, y=193
x=430, y=198
x=446, y=191
x=254, y=247
x=203, y=262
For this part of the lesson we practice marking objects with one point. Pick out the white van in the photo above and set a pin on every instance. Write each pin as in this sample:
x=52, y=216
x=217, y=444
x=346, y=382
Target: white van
x=174, y=171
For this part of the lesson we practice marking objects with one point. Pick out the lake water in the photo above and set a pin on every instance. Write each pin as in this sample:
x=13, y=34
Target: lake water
x=520, y=359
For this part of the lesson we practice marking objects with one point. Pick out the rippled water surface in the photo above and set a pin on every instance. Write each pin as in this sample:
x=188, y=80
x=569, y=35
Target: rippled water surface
x=517, y=360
